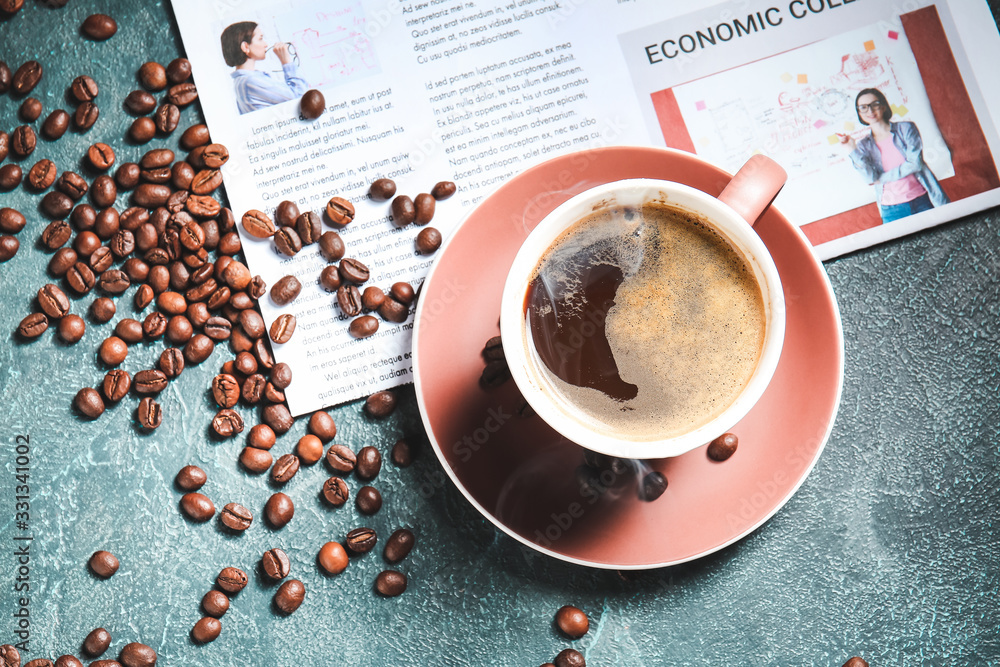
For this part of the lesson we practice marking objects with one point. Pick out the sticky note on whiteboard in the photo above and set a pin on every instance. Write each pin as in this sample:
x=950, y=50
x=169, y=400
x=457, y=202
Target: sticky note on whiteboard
x=893, y=34
x=802, y=78
x=870, y=45
x=700, y=105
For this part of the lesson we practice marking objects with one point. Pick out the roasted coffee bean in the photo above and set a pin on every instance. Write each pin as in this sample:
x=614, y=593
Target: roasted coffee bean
x=402, y=292
x=335, y=491
x=215, y=603
x=257, y=224
x=99, y=27
x=428, y=241
x=85, y=116
x=232, y=579
x=275, y=564
x=285, y=290
x=5, y=79
x=245, y=363
x=56, y=205
x=26, y=77
x=204, y=207
x=339, y=211
x=149, y=381
x=494, y=374
x=97, y=642
x=83, y=88
x=329, y=278
x=236, y=517
x=137, y=655
x=206, y=181
x=312, y=104
x=155, y=325
x=372, y=298
x=570, y=658
x=104, y=564
x=12, y=221
x=113, y=352
x=289, y=596
x=182, y=94
x=116, y=385
x=403, y=210
x=53, y=301
x=42, y=175
x=287, y=241
x=171, y=362
x=130, y=331
x=9, y=656
x=443, y=190
x=236, y=275
x=331, y=245
x=101, y=156
x=256, y=460
x=190, y=478
x=341, y=458
x=402, y=453
x=10, y=176
x=261, y=436
x=4, y=144
x=167, y=117
x=308, y=227
x=493, y=350
x=206, y=630
x=225, y=390
x=73, y=186
x=55, y=125
x=282, y=328
x=723, y=447
x=30, y=110
x=127, y=178
x=152, y=76
x=279, y=510
x=286, y=213
x=263, y=354
x=114, y=281
x=369, y=463
x=80, y=278
x=349, y=300
x=856, y=662
x=197, y=507
x=353, y=271
x=140, y=103
x=368, y=500
x=68, y=660
x=252, y=323
x=281, y=375
x=390, y=583
x=227, y=423
x=156, y=158
x=332, y=558
x=194, y=136
x=217, y=328
x=71, y=328
x=278, y=418
x=142, y=130
x=393, y=311
x=23, y=141
x=398, y=546
x=382, y=189
x=198, y=349
x=361, y=540
x=572, y=621
x=253, y=389
x=215, y=155
x=380, y=404
x=285, y=468
x=151, y=195
x=309, y=449
x=84, y=216
x=652, y=486
x=9, y=246
x=423, y=205
x=89, y=402
x=62, y=261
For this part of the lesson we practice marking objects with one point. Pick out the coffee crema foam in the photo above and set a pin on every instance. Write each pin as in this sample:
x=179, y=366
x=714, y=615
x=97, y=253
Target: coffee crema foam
x=686, y=327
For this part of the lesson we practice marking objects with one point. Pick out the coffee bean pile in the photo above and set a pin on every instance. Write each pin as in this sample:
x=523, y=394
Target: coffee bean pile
x=94, y=645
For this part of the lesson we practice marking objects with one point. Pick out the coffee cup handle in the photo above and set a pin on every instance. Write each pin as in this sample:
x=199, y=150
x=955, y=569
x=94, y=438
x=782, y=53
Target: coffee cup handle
x=753, y=187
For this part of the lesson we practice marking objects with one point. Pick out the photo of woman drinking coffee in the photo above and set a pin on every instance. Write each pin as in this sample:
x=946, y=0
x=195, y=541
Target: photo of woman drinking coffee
x=891, y=158
x=243, y=46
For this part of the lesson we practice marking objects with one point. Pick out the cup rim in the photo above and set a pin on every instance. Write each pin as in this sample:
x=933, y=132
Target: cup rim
x=554, y=411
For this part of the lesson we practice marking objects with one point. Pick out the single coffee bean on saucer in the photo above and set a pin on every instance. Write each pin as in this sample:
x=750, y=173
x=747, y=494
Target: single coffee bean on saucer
x=290, y=596
x=572, y=621
x=206, y=630
x=652, y=486
x=104, y=564
x=390, y=583
x=723, y=447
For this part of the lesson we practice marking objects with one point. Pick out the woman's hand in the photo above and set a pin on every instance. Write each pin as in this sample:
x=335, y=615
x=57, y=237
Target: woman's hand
x=848, y=141
x=281, y=50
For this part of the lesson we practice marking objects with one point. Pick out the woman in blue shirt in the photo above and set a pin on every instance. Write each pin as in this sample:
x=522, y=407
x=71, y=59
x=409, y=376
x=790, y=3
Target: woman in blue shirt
x=242, y=46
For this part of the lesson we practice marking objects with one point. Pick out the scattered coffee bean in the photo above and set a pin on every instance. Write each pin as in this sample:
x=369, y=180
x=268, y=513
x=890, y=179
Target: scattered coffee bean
x=197, y=507
x=99, y=27
x=9, y=245
x=423, y=205
x=281, y=375
x=341, y=458
x=179, y=70
x=285, y=290
x=55, y=125
x=256, y=460
x=322, y=425
x=85, y=116
x=279, y=510
x=96, y=642
x=42, y=175
x=140, y=103
x=113, y=352
x=227, y=423
x=215, y=603
x=402, y=453
x=335, y=491
x=392, y=310
x=182, y=94
x=443, y=190
x=285, y=468
x=101, y=156
x=30, y=110
x=287, y=241
x=390, y=583
x=69, y=661
x=135, y=654
x=570, y=658
x=167, y=118
x=225, y=390
x=369, y=463
x=339, y=211
x=142, y=130
x=428, y=241
x=104, y=564
x=26, y=77
x=236, y=517
x=403, y=210
x=353, y=271
x=368, y=500
x=206, y=630
x=190, y=478
x=361, y=540
x=382, y=189
x=149, y=413
x=232, y=580
x=332, y=558
x=856, y=662
x=149, y=381
x=83, y=88
x=289, y=596
x=494, y=374
x=215, y=155
x=363, y=327
x=399, y=545
x=723, y=447
x=275, y=564
x=332, y=247
x=10, y=176
x=282, y=328
x=312, y=105
x=572, y=621
x=329, y=278
x=89, y=402
x=71, y=328
x=23, y=141
x=380, y=404
x=309, y=449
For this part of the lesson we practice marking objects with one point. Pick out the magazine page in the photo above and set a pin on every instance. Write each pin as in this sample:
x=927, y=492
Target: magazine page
x=474, y=93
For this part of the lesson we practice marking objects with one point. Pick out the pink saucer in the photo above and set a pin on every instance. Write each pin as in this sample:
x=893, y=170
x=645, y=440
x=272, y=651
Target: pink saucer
x=526, y=479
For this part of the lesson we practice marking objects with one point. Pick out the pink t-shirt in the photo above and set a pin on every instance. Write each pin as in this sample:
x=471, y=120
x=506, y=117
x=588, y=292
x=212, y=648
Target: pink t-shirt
x=905, y=189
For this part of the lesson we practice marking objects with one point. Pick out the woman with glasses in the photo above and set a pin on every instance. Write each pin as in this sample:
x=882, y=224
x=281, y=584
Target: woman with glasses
x=242, y=46
x=891, y=158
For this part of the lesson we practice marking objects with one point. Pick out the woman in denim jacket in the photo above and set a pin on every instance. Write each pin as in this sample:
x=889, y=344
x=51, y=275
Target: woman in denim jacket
x=891, y=157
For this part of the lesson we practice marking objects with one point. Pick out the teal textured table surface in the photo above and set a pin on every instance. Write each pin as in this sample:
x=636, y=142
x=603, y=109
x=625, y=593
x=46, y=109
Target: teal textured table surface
x=888, y=550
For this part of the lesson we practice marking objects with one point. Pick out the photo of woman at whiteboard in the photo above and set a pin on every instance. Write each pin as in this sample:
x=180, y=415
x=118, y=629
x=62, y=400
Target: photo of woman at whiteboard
x=891, y=157
x=243, y=46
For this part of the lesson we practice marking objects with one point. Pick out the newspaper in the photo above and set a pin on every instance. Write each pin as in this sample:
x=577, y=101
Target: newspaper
x=475, y=92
